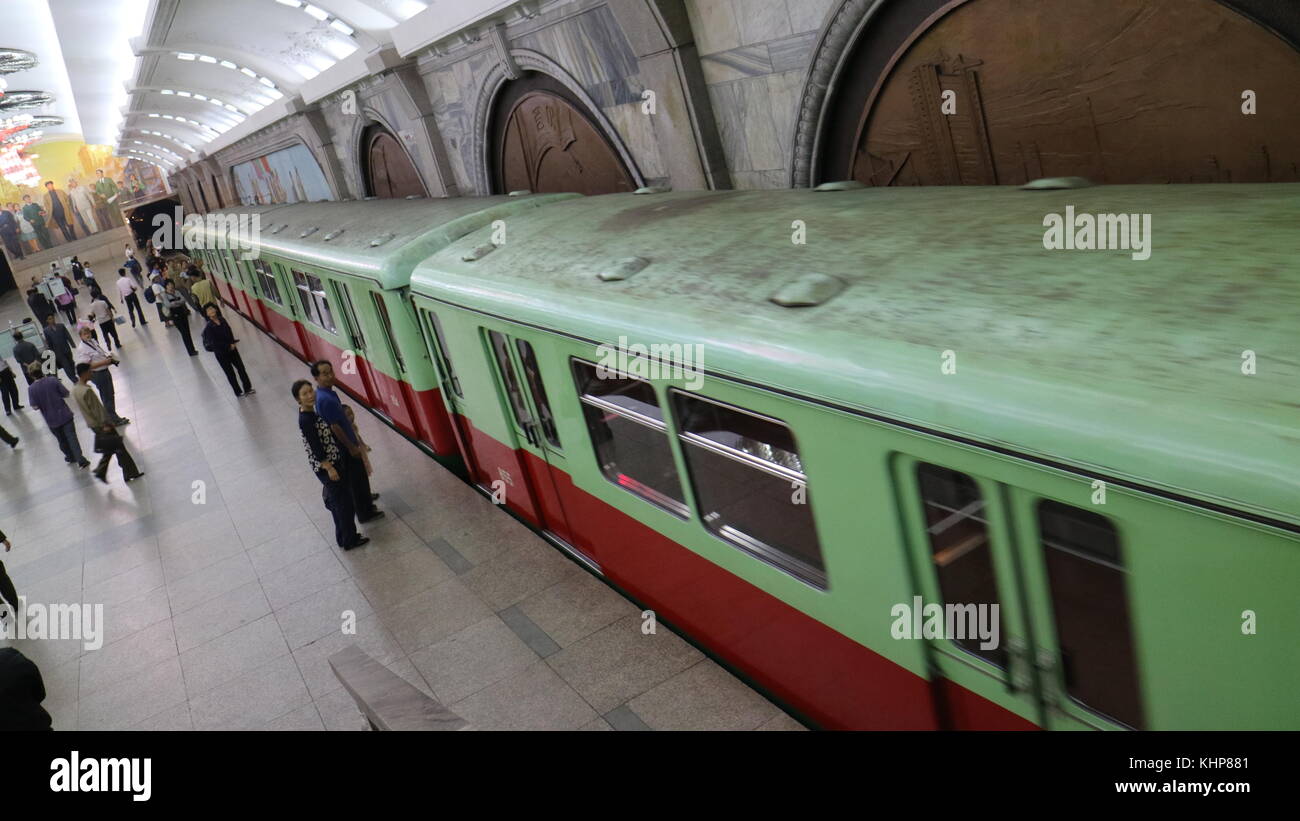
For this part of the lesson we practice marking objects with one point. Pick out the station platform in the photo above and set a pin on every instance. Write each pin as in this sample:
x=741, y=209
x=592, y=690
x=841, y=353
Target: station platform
x=221, y=615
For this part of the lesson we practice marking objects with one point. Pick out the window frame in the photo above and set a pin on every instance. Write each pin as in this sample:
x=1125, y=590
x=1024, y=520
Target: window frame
x=263, y=270
x=678, y=508
x=771, y=555
x=442, y=357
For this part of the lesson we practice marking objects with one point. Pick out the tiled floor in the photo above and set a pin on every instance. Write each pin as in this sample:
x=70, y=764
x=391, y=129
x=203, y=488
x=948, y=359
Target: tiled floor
x=221, y=611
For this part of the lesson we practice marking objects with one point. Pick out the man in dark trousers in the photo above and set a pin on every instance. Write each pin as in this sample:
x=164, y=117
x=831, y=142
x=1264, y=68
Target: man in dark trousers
x=220, y=339
x=330, y=408
x=128, y=289
x=178, y=313
x=326, y=458
x=9, y=233
x=9, y=388
x=40, y=306
x=59, y=340
x=47, y=395
x=25, y=352
x=108, y=441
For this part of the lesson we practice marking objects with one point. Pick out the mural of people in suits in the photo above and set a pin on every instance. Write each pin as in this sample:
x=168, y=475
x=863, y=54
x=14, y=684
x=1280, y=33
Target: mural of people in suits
x=106, y=212
x=36, y=216
x=10, y=230
x=68, y=192
x=59, y=210
x=83, y=202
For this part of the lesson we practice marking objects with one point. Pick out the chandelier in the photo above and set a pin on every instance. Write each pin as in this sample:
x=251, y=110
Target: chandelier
x=14, y=100
x=16, y=59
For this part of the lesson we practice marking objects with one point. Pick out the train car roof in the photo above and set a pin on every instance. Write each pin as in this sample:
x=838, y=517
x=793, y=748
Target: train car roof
x=1132, y=369
x=380, y=239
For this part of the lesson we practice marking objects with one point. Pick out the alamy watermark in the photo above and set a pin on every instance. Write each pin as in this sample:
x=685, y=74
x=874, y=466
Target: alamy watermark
x=81, y=622
x=1098, y=232
x=673, y=361
x=208, y=232
x=955, y=622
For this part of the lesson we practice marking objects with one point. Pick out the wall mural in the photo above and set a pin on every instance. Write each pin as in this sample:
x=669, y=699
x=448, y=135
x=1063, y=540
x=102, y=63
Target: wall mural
x=56, y=192
x=289, y=175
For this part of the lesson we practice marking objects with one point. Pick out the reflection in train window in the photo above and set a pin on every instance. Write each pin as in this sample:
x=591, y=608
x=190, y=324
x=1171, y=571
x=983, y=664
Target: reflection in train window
x=749, y=484
x=1086, y=577
x=957, y=526
x=628, y=433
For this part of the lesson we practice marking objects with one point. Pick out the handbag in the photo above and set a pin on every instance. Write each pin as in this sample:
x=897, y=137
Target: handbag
x=121, y=320
x=106, y=441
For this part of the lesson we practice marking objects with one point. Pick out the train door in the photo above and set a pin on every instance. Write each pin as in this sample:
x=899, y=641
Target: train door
x=396, y=392
x=256, y=291
x=964, y=563
x=452, y=395
x=1060, y=651
x=360, y=351
x=519, y=381
x=1076, y=582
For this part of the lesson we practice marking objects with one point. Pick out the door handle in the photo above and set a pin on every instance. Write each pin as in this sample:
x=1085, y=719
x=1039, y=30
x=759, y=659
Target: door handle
x=1046, y=662
x=1018, y=666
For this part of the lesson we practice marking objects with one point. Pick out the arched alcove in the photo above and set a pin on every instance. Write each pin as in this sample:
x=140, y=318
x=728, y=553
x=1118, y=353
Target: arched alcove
x=1119, y=91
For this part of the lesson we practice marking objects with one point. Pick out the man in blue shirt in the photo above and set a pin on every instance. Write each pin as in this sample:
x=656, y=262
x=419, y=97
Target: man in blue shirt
x=330, y=408
x=46, y=394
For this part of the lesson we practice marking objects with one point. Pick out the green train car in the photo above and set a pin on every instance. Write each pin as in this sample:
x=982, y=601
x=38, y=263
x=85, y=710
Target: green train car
x=328, y=280
x=895, y=459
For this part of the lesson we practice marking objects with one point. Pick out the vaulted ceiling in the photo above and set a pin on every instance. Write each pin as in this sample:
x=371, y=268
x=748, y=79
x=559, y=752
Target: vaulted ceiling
x=166, y=81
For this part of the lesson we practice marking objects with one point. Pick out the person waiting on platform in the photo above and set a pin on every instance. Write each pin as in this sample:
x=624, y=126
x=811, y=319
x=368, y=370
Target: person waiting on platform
x=175, y=309
x=90, y=353
x=46, y=395
x=25, y=352
x=101, y=313
x=58, y=339
x=219, y=338
x=129, y=289
x=330, y=408
x=108, y=441
x=157, y=285
x=9, y=388
x=328, y=462
x=40, y=306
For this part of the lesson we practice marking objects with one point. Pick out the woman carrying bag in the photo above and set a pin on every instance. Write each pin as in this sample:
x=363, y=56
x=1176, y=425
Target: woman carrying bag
x=176, y=310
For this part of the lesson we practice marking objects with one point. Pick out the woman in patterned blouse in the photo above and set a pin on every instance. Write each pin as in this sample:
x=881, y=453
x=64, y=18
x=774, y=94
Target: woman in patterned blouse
x=323, y=456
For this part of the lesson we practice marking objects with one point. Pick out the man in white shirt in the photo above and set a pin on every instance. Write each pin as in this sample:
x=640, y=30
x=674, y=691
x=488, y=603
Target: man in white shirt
x=99, y=360
x=128, y=289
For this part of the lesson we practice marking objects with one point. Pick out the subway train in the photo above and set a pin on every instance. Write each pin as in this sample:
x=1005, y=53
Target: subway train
x=893, y=455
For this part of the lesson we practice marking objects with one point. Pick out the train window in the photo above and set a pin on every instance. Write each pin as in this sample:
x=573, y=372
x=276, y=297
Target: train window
x=534, y=377
x=350, y=316
x=1085, y=573
x=381, y=308
x=270, y=288
x=304, y=296
x=501, y=350
x=322, y=304
x=749, y=484
x=629, y=435
x=443, y=355
x=959, y=547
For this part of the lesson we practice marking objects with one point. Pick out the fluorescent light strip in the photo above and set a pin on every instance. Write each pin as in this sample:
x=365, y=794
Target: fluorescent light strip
x=248, y=72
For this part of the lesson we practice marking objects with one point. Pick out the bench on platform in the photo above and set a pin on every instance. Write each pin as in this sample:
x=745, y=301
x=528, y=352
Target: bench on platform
x=387, y=700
